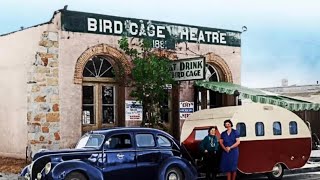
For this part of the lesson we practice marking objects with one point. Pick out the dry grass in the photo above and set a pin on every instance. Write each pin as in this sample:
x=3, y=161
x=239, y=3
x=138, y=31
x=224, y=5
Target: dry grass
x=11, y=165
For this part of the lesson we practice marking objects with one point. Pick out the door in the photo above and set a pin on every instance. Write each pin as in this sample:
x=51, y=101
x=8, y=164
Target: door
x=148, y=156
x=120, y=157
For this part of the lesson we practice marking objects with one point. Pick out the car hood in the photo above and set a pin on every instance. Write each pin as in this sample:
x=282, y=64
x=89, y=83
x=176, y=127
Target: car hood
x=63, y=152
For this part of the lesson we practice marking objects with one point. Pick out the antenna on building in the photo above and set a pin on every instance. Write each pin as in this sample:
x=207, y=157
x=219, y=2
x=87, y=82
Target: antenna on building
x=65, y=7
x=21, y=28
x=317, y=82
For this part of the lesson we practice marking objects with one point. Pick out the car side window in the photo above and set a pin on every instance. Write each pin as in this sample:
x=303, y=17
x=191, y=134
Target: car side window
x=163, y=141
x=277, y=128
x=120, y=141
x=145, y=140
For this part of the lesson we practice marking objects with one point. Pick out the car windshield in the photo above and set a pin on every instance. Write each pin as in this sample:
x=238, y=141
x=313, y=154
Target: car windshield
x=90, y=140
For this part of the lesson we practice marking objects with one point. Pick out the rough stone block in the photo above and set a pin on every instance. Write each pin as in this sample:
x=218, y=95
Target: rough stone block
x=35, y=88
x=53, y=50
x=46, y=43
x=55, y=107
x=45, y=129
x=52, y=81
x=53, y=117
x=53, y=36
x=41, y=69
x=40, y=99
x=42, y=49
x=44, y=108
x=57, y=136
x=53, y=64
x=38, y=117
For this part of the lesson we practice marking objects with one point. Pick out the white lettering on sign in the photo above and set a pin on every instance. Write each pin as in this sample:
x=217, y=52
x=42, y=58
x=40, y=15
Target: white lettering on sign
x=142, y=29
x=92, y=24
x=188, y=69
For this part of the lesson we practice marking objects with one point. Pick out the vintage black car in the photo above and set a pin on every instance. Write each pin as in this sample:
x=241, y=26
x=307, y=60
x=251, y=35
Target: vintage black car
x=118, y=153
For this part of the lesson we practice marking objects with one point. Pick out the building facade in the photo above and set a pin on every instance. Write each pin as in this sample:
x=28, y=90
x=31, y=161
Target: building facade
x=62, y=78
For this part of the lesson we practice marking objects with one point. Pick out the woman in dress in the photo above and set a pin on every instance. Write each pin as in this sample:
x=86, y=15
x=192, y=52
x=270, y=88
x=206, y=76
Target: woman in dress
x=209, y=146
x=229, y=142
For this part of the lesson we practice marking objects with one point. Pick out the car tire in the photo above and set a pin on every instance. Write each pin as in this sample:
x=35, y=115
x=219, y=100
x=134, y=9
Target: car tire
x=174, y=173
x=76, y=176
x=277, y=172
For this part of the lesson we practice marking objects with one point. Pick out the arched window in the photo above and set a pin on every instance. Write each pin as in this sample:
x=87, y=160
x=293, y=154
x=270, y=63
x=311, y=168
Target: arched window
x=98, y=94
x=259, y=129
x=214, y=99
x=98, y=66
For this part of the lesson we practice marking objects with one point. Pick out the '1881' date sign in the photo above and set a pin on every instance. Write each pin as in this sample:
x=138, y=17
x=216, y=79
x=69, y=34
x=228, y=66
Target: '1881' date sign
x=163, y=35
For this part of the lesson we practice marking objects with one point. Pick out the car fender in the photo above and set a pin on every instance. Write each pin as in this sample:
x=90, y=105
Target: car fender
x=24, y=171
x=61, y=170
x=189, y=171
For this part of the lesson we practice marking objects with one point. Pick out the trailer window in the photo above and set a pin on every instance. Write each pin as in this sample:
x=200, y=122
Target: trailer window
x=293, y=128
x=277, y=128
x=200, y=134
x=259, y=129
x=241, y=127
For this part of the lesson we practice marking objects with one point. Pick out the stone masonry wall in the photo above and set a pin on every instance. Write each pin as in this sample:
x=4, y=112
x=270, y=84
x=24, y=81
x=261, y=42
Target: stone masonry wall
x=43, y=96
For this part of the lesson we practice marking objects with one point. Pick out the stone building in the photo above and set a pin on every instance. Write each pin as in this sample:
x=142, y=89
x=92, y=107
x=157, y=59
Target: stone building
x=57, y=79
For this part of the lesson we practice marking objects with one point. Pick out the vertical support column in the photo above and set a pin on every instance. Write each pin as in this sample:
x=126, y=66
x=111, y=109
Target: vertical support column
x=204, y=101
x=175, y=126
x=121, y=106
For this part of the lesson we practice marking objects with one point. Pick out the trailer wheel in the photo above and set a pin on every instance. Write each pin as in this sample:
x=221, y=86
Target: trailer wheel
x=174, y=173
x=277, y=172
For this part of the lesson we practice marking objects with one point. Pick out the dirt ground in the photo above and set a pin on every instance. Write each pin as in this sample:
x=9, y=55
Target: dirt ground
x=11, y=165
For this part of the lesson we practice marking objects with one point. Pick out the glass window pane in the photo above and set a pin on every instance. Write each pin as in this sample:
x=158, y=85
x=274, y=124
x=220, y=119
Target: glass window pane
x=259, y=129
x=119, y=141
x=145, y=140
x=241, y=127
x=200, y=134
x=98, y=66
x=87, y=95
x=293, y=127
x=87, y=115
x=107, y=94
x=277, y=128
x=163, y=141
x=107, y=114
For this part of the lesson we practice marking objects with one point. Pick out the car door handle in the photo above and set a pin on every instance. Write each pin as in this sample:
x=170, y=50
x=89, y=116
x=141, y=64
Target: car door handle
x=120, y=156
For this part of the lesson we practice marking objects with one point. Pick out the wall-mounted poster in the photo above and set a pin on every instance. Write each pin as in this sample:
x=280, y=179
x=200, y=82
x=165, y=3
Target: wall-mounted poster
x=186, y=108
x=133, y=110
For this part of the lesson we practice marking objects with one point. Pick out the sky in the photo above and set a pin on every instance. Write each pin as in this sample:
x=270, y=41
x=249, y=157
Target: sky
x=282, y=38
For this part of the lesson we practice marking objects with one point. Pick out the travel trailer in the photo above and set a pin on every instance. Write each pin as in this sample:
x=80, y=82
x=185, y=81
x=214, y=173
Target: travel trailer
x=272, y=138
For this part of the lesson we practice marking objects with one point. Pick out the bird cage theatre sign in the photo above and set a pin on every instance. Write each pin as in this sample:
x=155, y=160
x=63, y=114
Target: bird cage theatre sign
x=163, y=35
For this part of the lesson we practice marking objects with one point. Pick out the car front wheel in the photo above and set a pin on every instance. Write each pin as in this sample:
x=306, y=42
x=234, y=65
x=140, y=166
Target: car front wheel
x=75, y=176
x=174, y=173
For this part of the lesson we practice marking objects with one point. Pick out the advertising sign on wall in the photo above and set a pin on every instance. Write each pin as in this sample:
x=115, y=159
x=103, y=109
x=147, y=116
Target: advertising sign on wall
x=133, y=110
x=186, y=108
x=188, y=69
x=164, y=35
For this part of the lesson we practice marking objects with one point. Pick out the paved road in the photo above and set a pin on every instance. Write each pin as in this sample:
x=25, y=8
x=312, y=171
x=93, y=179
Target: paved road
x=299, y=176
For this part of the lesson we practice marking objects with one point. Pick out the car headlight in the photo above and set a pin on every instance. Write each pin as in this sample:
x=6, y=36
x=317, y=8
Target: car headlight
x=39, y=175
x=47, y=168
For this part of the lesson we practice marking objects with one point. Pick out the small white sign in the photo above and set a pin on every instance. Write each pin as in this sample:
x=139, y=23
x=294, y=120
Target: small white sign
x=188, y=69
x=133, y=110
x=186, y=108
